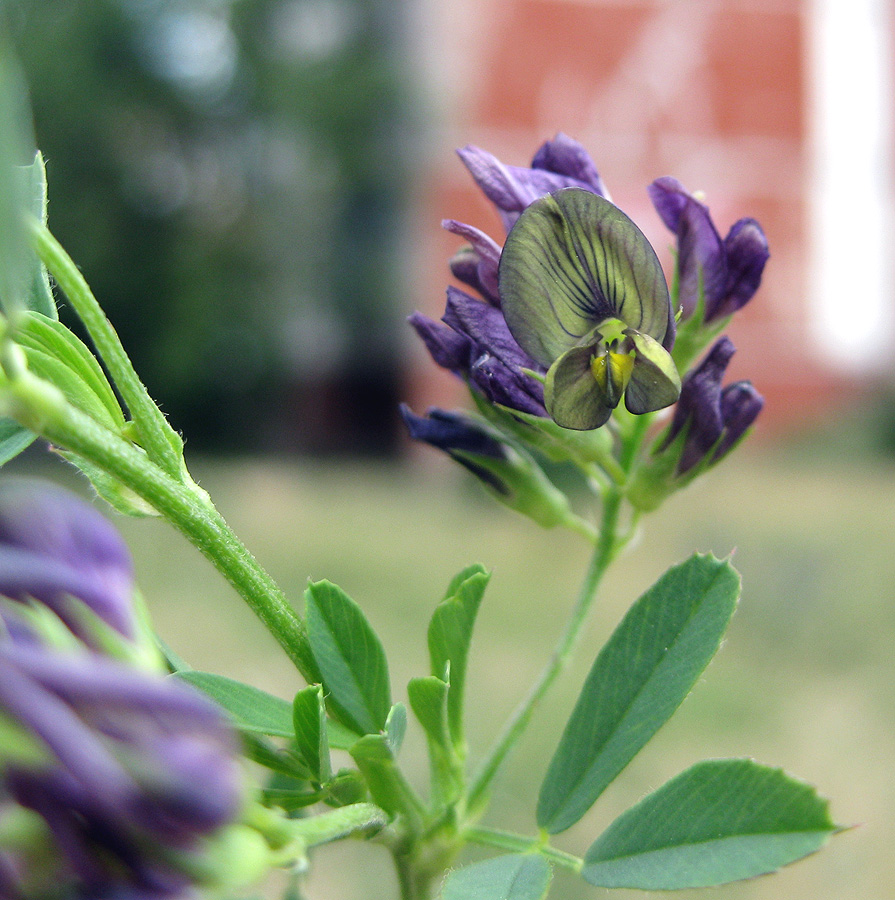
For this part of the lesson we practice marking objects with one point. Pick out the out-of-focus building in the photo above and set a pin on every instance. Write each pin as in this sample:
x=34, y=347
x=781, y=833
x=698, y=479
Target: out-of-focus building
x=775, y=109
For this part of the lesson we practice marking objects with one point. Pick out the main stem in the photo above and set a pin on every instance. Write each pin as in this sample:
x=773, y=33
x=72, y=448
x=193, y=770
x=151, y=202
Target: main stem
x=609, y=543
x=604, y=552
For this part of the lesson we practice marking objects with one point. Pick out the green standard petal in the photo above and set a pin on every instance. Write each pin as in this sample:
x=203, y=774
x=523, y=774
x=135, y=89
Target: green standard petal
x=655, y=382
x=572, y=261
x=571, y=393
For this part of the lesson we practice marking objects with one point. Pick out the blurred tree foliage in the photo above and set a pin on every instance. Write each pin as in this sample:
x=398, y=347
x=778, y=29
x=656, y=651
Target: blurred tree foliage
x=231, y=176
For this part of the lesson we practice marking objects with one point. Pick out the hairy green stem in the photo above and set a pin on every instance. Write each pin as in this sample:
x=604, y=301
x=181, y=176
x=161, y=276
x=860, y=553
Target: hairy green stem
x=161, y=442
x=338, y=823
x=39, y=406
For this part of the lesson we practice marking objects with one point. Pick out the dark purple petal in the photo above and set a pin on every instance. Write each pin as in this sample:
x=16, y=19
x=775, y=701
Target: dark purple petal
x=701, y=259
x=94, y=683
x=669, y=197
x=566, y=156
x=450, y=431
x=730, y=270
x=57, y=725
x=501, y=384
x=512, y=188
x=477, y=268
x=747, y=252
x=699, y=406
x=53, y=544
x=447, y=348
x=457, y=436
x=486, y=328
x=740, y=406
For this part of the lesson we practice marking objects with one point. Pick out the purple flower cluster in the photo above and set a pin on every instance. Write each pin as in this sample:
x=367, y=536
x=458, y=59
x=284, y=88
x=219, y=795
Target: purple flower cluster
x=715, y=276
x=126, y=771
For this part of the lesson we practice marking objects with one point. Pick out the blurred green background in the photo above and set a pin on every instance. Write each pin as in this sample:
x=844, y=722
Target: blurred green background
x=234, y=178
x=236, y=188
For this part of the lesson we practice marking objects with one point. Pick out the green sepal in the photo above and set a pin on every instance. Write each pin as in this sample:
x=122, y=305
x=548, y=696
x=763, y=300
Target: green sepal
x=351, y=659
x=449, y=636
x=693, y=334
x=516, y=876
x=719, y=821
x=311, y=741
x=519, y=482
x=557, y=444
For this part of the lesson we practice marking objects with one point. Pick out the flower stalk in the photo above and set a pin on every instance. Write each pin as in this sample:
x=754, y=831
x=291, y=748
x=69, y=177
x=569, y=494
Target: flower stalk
x=610, y=541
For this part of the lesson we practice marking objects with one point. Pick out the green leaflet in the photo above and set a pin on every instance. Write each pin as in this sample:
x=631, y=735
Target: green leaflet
x=719, y=821
x=639, y=678
x=449, y=635
x=56, y=354
x=257, y=712
x=350, y=657
x=523, y=876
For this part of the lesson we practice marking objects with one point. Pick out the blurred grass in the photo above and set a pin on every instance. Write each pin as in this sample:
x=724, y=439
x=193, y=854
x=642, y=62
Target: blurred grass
x=804, y=680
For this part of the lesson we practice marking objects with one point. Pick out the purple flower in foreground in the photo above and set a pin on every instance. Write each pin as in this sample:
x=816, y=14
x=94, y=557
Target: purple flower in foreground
x=472, y=340
x=727, y=272
x=129, y=771
x=713, y=419
x=55, y=547
x=125, y=773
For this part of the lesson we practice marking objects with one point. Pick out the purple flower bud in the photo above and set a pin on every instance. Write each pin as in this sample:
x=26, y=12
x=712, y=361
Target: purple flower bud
x=134, y=770
x=55, y=547
x=713, y=419
x=447, y=348
x=727, y=273
x=476, y=265
x=515, y=478
x=460, y=438
x=559, y=163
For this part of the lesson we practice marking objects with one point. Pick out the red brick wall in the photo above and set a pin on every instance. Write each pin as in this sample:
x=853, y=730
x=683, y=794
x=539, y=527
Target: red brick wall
x=713, y=93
